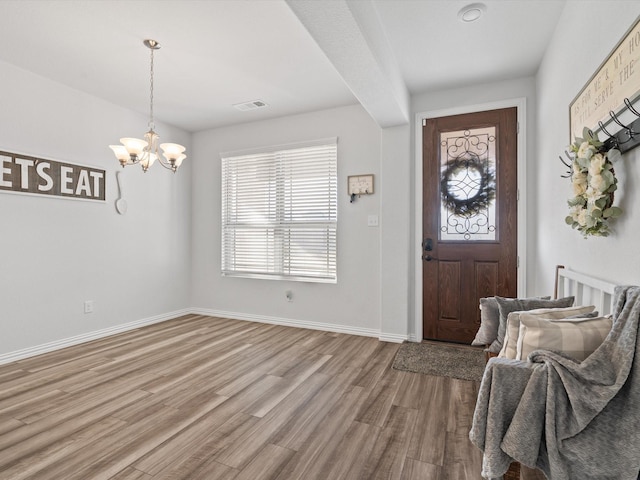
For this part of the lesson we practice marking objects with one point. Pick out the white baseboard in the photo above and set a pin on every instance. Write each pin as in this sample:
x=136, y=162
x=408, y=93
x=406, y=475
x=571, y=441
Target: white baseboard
x=392, y=337
x=287, y=322
x=87, y=337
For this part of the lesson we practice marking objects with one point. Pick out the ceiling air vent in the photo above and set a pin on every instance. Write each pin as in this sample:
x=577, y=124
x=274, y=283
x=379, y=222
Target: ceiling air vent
x=252, y=105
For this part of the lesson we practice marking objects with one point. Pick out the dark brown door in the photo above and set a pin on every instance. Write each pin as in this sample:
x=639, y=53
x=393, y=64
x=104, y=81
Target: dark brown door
x=469, y=219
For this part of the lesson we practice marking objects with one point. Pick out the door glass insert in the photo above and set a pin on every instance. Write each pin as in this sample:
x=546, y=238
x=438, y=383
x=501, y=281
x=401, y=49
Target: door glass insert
x=468, y=185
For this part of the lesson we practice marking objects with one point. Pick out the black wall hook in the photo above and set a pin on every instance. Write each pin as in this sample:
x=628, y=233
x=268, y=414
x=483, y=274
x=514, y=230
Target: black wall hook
x=630, y=107
x=606, y=132
x=628, y=137
x=569, y=172
x=626, y=128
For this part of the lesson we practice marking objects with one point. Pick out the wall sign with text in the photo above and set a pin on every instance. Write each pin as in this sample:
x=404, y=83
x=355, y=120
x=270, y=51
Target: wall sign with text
x=39, y=176
x=616, y=79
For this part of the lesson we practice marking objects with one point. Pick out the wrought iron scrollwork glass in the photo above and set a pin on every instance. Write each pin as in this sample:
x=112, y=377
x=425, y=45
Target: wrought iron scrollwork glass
x=468, y=185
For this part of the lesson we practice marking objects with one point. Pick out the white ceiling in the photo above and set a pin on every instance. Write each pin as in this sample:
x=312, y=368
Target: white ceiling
x=435, y=50
x=295, y=55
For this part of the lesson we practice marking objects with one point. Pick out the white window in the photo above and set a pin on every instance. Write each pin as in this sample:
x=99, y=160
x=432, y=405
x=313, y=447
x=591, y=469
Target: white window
x=279, y=212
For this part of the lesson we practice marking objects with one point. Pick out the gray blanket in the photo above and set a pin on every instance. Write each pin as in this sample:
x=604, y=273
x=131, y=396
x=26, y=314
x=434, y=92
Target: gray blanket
x=571, y=420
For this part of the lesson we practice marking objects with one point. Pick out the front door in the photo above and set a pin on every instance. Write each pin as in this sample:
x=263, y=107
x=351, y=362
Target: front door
x=469, y=248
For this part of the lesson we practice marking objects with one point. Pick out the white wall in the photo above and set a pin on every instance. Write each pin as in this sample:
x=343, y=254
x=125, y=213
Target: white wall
x=395, y=229
x=354, y=303
x=587, y=32
x=57, y=253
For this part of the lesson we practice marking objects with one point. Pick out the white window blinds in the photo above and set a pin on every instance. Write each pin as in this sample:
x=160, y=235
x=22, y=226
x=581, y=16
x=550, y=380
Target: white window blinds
x=279, y=213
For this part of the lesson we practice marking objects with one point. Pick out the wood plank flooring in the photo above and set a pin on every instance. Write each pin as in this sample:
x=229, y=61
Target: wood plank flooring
x=204, y=398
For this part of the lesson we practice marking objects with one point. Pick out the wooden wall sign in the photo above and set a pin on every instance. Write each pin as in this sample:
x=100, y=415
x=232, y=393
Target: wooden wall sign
x=39, y=176
x=617, y=78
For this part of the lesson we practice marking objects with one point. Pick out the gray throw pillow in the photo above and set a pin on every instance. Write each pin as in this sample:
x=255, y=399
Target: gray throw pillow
x=489, y=321
x=508, y=305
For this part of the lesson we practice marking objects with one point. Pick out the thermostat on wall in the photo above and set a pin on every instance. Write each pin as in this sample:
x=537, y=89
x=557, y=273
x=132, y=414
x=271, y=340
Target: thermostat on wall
x=360, y=185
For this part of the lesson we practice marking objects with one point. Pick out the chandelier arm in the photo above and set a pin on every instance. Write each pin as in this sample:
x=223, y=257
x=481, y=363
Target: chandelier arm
x=167, y=164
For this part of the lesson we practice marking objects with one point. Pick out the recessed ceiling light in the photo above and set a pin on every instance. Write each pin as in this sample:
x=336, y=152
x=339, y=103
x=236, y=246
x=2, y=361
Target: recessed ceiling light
x=472, y=12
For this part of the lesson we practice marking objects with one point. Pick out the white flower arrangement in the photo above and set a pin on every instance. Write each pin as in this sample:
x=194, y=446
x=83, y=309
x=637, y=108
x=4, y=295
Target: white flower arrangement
x=593, y=181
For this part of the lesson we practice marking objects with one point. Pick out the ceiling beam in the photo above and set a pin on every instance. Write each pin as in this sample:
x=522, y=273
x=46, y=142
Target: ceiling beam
x=353, y=39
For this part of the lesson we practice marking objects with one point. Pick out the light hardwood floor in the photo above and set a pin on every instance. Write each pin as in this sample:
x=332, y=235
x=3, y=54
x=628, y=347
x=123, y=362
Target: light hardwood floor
x=203, y=398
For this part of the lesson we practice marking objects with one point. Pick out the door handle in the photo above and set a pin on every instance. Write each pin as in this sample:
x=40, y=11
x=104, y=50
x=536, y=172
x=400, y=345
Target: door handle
x=427, y=246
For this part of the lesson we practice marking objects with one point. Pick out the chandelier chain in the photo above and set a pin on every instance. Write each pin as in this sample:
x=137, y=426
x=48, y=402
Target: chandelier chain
x=151, y=123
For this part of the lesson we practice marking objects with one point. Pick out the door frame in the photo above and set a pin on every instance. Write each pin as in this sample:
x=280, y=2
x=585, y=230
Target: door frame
x=521, y=105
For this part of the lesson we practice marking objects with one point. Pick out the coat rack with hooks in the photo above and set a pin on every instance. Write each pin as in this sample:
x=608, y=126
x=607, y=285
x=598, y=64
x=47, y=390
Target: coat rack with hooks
x=629, y=135
x=626, y=139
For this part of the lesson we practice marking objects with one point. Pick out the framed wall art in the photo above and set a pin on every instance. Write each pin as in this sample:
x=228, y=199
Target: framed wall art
x=616, y=79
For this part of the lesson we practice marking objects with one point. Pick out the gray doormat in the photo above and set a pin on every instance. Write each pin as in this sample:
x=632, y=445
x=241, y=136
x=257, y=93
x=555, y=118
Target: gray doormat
x=443, y=360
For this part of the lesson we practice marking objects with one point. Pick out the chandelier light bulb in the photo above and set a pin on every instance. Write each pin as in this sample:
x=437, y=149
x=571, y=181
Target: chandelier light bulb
x=148, y=161
x=171, y=150
x=134, y=146
x=121, y=154
x=179, y=159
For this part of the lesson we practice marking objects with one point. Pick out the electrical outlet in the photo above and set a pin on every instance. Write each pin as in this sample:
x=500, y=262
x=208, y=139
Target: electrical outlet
x=88, y=306
x=372, y=221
